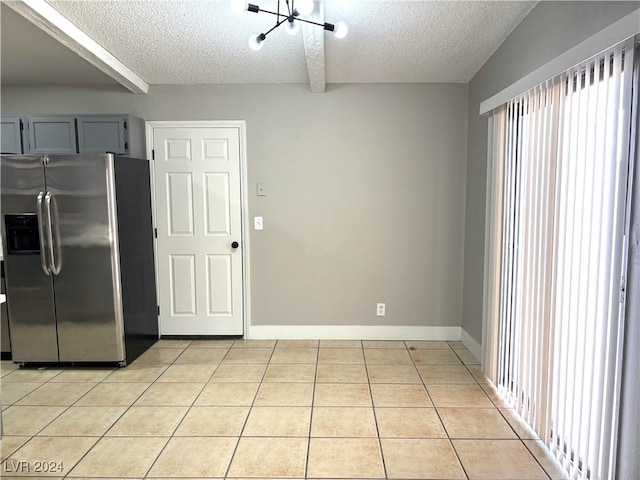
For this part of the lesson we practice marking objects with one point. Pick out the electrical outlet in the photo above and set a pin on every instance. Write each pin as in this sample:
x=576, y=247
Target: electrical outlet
x=380, y=309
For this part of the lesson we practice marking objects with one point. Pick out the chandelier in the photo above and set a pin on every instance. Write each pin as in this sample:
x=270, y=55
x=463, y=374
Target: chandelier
x=289, y=17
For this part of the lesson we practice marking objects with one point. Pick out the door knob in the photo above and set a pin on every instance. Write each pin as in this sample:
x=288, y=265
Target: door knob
x=235, y=245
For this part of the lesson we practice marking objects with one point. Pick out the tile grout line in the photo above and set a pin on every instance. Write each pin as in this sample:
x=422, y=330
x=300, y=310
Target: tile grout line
x=127, y=409
x=535, y=457
x=262, y=382
x=244, y=424
x=98, y=437
x=42, y=384
x=104, y=434
x=313, y=405
x=68, y=407
x=162, y=450
x=518, y=437
x=521, y=440
x=32, y=436
x=444, y=427
x=171, y=436
x=375, y=416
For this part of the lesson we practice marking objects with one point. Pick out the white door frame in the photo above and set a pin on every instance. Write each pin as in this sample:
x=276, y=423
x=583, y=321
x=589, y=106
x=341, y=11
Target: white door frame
x=241, y=125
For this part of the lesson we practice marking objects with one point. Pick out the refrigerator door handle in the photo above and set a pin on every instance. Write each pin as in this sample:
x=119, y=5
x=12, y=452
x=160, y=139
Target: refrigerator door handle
x=43, y=252
x=54, y=253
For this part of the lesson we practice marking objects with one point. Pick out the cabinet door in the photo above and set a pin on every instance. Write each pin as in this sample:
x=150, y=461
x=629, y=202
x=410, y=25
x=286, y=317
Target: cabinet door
x=10, y=135
x=101, y=134
x=52, y=135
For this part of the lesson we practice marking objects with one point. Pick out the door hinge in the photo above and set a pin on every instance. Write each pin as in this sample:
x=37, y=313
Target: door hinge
x=125, y=124
x=126, y=145
x=623, y=290
x=155, y=232
x=153, y=154
x=158, y=309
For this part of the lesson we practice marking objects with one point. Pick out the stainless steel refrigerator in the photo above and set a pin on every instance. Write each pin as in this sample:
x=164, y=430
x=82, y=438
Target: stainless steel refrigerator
x=79, y=266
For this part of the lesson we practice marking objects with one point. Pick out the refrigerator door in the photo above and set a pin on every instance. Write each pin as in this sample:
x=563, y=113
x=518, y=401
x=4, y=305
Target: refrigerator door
x=30, y=299
x=84, y=255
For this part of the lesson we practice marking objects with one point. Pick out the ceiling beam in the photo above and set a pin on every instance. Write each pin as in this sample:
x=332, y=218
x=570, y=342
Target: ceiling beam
x=48, y=19
x=313, y=37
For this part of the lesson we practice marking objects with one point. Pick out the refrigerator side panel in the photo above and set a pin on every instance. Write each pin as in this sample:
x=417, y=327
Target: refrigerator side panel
x=30, y=299
x=90, y=326
x=135, y=234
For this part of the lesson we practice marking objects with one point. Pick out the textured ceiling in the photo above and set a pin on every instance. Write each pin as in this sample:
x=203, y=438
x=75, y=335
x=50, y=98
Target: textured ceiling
x=29, y=56
x=204, y=42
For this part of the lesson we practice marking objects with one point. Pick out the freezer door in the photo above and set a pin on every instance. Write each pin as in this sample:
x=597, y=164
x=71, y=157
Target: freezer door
x=85, y=258
x=30, y=299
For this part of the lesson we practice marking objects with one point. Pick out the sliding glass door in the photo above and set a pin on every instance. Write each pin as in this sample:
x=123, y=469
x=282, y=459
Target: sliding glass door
x=558, y=254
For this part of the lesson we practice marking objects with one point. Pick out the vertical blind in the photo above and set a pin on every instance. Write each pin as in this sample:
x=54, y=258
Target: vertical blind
x=554, y=298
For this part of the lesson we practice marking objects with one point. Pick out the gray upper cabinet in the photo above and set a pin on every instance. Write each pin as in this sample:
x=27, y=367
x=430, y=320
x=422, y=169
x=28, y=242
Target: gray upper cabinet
x=11, y=129
x=102, y=134
x=52, y=135
x=121, y=134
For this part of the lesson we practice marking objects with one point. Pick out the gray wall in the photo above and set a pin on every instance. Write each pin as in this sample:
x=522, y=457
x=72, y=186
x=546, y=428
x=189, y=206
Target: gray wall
x=365, y=191
x=550, y=29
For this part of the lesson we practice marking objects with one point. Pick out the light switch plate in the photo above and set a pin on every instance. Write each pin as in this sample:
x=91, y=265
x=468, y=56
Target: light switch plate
x=257, y=223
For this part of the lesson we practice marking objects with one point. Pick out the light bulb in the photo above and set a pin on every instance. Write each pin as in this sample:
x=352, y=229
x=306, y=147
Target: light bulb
x=340, y=30
x=239, y=6
x=304, y=7
x=292, y=27
x=256, y=41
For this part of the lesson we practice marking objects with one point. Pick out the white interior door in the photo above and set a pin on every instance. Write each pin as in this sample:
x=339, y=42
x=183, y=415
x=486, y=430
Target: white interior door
x=198, y=216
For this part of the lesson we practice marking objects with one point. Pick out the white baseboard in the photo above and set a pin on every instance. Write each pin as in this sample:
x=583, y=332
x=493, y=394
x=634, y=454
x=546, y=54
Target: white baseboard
x=474, y=347
x=352, y=332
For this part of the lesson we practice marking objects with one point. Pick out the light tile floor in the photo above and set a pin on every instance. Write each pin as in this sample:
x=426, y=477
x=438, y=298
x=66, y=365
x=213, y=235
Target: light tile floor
x=268, y=409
